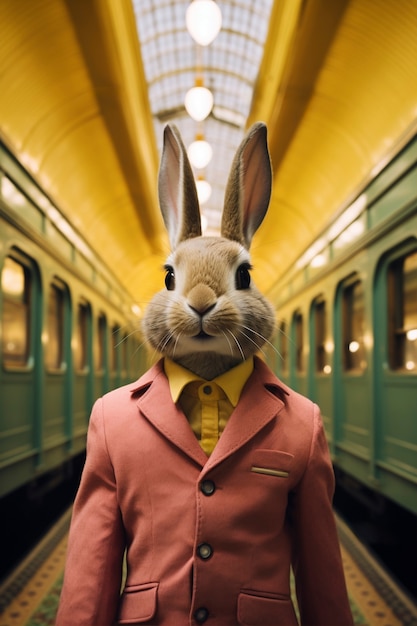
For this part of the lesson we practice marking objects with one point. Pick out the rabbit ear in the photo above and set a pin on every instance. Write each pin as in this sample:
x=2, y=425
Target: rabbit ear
x=248, y=189
x=177, y=190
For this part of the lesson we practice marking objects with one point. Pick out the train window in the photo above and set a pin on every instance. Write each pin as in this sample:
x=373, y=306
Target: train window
x=54, y=354
x=402, y=313
x=100, y=343
x=320, y=330
x=115, y=341
x=123, y=350
x=81, y=345
x=298, y=336
x=283, y=345
x=354, y=357
x=16, y=288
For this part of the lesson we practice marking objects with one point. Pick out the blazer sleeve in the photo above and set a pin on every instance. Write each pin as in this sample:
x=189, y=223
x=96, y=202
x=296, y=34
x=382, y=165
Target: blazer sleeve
x=93, y=571
x=317, y=563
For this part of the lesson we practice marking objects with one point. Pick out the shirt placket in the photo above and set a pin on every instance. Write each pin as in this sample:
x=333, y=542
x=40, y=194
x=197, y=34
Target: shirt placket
x=209, y=398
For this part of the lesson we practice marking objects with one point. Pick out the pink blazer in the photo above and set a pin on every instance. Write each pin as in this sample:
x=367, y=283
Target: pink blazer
x=208, y=540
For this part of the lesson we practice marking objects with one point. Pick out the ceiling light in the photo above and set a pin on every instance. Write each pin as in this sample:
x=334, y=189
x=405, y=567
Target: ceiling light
x=203, y=190
x=204, y=20
x=200, y=152
x=198, y=102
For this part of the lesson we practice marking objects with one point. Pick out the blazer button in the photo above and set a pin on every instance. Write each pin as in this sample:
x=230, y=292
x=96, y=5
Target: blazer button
x=204, y=551
x=201, y=615
x=208, y=487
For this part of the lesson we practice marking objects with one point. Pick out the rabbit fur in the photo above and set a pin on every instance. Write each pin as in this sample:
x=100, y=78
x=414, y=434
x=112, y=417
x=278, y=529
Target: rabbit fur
x=210, y=317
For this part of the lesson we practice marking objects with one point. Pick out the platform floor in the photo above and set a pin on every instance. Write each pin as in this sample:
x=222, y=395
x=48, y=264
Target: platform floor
x=29, y=597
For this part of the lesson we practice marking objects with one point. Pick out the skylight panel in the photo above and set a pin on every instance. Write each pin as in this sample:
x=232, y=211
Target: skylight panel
x=230, y=65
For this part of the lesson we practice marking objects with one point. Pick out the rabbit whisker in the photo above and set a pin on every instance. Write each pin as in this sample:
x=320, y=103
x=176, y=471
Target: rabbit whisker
x=254, y=343
x=263, y=338
x=228, y=341
x=238, y=344
x=176, y=343
x=164, y=341
x=125, y=338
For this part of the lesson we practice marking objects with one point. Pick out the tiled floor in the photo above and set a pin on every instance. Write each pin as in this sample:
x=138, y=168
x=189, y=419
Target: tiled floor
x=30, y=597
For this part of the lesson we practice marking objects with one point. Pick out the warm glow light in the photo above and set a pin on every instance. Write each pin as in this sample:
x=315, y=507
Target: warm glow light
x=11, y=193
x=204, y=20
x=12, y=279
x=198, y=102
x=354, y=346
x=200, y=153
x=412, y=334
x=318, y=261
x=136, y=310
x=203, y=190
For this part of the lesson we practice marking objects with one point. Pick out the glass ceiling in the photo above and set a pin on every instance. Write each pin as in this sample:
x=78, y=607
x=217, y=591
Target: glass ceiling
x=230, y=66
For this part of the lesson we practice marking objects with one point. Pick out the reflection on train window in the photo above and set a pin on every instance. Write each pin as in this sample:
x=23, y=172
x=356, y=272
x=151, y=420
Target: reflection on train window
x=354, y=357
x=16, y=287
x=298, y=335
x=100, y=344
x=54, y=354
x=81, y=343
x=320, y=329
x=402, y=313
x=283, y=345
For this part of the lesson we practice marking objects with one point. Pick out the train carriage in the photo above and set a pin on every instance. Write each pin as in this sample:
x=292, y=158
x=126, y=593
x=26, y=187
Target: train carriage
x=348, y=332
x=69, y=333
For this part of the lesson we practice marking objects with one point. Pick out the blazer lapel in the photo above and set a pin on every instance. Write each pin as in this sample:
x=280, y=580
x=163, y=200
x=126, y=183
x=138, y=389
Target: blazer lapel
x=261, y=401
x=259, y=404
x=156, y=405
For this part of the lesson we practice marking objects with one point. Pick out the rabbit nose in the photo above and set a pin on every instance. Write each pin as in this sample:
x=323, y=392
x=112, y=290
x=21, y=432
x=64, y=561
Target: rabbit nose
x=201, y=299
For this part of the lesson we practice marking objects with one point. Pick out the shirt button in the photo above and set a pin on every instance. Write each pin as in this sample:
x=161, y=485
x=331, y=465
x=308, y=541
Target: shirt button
x=208, y=487
x=201, y=615
x=204, y=551
x=207, y=390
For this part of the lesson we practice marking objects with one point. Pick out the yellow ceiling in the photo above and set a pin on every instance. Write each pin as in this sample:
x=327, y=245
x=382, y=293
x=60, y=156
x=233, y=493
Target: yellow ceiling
x=337, y=89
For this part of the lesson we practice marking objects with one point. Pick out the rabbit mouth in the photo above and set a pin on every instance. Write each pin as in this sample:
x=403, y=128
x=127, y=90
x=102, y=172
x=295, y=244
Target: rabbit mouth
x=203, y=336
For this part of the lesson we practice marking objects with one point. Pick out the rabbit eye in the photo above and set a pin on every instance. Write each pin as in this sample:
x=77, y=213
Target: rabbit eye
x=170, y=279
x=243, y=276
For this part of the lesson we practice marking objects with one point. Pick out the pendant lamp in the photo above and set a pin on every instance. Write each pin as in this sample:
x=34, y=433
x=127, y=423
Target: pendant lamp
x=200, y=152
x=204, y=20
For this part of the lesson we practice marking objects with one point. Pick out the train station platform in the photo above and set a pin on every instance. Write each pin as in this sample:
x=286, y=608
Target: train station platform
x=29, y=597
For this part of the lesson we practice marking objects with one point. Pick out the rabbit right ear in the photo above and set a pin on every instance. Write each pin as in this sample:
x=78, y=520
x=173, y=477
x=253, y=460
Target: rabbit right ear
x=248, y=189
x=177, y=190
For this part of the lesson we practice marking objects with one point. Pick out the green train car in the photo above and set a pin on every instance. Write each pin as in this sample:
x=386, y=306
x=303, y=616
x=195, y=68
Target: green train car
x=347, y=333
x=68, y=333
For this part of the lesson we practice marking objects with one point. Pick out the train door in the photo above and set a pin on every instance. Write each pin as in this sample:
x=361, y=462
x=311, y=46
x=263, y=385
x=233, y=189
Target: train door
x=20, y=371
x=282, y=359
x=117, y=352
x=319, y=369
x=57, y=411
x=83, y=369
x=352, y=402
x=101, y=361
x=298, y=379
x=395, y=322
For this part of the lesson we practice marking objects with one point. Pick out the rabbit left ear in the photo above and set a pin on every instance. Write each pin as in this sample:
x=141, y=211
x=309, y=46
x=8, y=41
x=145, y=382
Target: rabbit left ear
x=177, y=190
x=248, y=189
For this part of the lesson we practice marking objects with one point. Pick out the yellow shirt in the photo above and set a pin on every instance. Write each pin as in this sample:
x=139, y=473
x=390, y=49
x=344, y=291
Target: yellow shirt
x=207, y=404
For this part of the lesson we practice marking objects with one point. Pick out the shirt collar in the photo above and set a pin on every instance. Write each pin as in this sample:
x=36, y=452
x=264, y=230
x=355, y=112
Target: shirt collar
x=232, y=381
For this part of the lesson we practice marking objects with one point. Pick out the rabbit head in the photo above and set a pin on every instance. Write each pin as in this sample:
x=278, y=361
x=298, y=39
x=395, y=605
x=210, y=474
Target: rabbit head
x=210, y=316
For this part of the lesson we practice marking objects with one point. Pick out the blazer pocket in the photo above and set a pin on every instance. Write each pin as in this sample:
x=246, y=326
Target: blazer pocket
x=257, y=610
x=272, y=463
x=138, y=603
